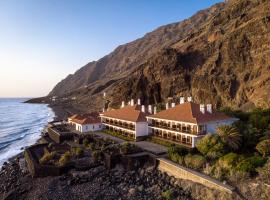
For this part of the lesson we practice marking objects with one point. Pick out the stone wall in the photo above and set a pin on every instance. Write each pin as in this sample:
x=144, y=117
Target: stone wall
x=59, y=137
x=178, y=171
x=38, y=170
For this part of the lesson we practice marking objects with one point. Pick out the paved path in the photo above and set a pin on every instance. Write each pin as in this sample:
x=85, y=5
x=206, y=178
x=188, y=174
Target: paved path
x=151, y=147
x=145, y=145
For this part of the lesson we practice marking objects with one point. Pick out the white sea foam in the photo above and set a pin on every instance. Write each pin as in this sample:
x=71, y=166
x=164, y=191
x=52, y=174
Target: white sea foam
x=20, y=125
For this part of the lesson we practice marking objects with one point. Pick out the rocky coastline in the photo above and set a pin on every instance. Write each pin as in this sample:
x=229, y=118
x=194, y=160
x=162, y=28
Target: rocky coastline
x=96, y=183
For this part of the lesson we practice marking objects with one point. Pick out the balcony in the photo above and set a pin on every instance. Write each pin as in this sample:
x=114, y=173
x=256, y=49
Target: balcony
x=120, y=124
x=177, y=128
x=174, y=140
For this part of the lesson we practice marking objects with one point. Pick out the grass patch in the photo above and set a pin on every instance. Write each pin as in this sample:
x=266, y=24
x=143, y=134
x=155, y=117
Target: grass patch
x=164, y=142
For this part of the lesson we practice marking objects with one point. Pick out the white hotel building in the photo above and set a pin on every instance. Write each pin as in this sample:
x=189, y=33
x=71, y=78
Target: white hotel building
x=186, y=123
x=129, y=120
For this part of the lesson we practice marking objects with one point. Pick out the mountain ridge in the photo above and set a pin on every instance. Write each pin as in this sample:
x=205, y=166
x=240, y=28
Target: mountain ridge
x=217, y=56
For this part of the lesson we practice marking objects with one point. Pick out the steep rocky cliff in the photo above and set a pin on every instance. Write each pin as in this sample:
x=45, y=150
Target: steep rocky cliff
x=219, y=55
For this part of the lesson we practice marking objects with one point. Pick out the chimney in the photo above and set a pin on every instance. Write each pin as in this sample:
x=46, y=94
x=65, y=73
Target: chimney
x=202, y=108
x=155, y=110
x=150, y=109
x=167, y=106
x=173, y=105
x=104, y=94
x=189, y=99
x=139, y=101
x=209, y=108
x=132, y=102
x=123, y=104
x=143, y=108
x=182, y=100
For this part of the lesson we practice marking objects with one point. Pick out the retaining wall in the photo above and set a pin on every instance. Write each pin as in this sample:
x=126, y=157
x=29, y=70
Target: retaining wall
x=178, y=171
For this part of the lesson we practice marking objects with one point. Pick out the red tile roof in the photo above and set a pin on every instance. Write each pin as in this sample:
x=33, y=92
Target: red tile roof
x=128, y=113
x=189, y=112
x=89, y=118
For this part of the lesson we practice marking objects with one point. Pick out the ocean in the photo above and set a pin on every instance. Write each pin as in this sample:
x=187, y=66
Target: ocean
x=20, y=125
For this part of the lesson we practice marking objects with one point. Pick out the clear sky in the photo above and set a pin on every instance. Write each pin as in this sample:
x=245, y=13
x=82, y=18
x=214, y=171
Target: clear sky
x=41, y=42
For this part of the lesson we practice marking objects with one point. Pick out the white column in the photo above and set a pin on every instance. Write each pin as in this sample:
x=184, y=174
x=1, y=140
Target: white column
x=193, y=142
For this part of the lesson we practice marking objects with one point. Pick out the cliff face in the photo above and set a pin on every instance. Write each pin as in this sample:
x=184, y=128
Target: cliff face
x=220, y=55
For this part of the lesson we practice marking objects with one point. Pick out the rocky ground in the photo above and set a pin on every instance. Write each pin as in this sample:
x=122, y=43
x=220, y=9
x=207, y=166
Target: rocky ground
x=96, y=183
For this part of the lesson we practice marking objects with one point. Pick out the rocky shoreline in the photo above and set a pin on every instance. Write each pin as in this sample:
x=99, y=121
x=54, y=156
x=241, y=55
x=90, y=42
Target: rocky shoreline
x=96, y=183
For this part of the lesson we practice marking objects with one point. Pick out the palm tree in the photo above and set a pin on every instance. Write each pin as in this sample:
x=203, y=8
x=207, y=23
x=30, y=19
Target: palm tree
x=230, y=136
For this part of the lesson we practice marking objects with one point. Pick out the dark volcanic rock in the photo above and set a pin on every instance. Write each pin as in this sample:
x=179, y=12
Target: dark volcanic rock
x=219, y=55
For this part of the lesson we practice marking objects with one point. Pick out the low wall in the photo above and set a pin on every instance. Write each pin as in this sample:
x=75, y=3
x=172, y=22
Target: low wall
x=178, y=171
x=59, y=137
x=38, y=170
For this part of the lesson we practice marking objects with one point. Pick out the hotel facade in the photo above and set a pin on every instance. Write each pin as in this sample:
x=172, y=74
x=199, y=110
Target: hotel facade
x=186, y=123
x=130, y=120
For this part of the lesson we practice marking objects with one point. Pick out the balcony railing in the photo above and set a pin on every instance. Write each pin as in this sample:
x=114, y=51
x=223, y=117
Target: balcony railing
x=126, y=126
x=177, y=128
x=175, y=140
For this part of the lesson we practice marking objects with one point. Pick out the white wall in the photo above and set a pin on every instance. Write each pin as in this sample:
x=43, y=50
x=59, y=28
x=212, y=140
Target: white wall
x=89, y=127
x=212, y=126
x=141, y=128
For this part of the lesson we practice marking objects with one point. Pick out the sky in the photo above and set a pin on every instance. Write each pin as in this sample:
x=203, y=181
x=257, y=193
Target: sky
x=41, y=42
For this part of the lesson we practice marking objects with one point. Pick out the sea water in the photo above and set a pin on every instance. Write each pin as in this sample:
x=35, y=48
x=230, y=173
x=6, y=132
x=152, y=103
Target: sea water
x=20, y=125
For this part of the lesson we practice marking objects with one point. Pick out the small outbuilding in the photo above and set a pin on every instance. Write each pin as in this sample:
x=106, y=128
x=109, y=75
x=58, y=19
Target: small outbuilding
x=86, y=122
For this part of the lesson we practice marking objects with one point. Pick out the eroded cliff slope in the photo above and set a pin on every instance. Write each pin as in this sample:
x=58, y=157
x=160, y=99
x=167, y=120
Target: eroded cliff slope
x=219, y=55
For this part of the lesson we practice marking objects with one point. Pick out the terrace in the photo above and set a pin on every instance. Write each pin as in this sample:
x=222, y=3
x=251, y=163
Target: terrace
x=173, y=137
x=119, y=123
x=178, y=127
x=121, y=131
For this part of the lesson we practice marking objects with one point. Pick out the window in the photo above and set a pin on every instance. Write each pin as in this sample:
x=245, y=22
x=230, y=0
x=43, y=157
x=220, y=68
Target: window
x=99, y=126
x=93, y=126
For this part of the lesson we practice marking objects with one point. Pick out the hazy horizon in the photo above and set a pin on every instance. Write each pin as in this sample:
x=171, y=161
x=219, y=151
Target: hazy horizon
x=44, y=41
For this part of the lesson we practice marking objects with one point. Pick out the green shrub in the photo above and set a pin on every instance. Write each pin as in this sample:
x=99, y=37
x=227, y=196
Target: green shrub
x=194, y=161
x=263, y=147
x=219, y=172
x=168, y=194
x=118, y=135
x=92, y=146
x=127, y=148
x=264, y=172
x=96, y=155
x=198, y=161
x=216, y=151
x=78, y=151
x=238, y=176
x=175, y=157
x=250, y=164
x=65, y=158
x=86, y=142
x=229, y=160
x=47, y=157
x=177, y=149
x=211, y=146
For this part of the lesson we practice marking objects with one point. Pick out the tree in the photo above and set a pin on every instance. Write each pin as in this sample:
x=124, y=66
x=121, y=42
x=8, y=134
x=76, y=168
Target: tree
x=263, y=147
x=230, y=136
x=211, y=146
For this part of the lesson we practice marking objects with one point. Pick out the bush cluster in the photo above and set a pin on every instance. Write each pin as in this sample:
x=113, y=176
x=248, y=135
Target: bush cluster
x=47, y=157
x=65, y=159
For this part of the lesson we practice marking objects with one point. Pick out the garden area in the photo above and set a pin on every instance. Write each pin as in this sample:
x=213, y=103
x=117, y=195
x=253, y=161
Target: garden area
x=116, y=134
x=236, y=153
